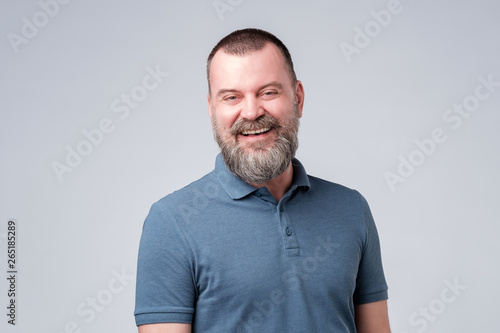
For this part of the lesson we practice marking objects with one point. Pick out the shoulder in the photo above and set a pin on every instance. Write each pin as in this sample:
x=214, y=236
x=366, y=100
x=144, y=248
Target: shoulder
x=186, y=204
x=206, y=185
x=338, y=195
x=326, y=185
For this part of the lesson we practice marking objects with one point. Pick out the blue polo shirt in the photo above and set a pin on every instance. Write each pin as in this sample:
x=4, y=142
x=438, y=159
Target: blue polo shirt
x=227, y=257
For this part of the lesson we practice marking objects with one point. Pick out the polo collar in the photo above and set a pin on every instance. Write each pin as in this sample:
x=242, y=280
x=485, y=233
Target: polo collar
x=236, y=188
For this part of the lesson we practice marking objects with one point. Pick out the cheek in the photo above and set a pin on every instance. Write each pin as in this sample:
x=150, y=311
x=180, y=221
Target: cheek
x=226, y=119
x=280, y=110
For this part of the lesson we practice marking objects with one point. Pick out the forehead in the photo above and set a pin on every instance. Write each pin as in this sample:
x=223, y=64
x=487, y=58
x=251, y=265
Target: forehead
x=253, y=68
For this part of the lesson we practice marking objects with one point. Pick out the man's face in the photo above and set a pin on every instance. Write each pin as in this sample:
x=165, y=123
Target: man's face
x=255, y=110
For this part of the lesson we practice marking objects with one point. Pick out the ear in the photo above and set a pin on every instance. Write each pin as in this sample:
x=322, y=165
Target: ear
x=209, y=102
x=299, y=96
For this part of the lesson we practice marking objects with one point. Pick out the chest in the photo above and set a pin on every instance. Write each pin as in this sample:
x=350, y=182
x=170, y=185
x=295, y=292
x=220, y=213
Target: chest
x=260, y=255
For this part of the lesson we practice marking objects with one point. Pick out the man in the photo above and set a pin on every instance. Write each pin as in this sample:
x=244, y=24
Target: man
x=257, y=245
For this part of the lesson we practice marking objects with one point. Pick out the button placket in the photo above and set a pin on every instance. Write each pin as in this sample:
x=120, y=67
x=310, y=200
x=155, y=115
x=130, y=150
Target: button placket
x=289, y=237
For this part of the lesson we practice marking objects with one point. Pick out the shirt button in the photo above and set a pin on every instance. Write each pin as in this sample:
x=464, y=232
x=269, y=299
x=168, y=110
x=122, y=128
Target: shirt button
x=257, y=194
x=288, y=231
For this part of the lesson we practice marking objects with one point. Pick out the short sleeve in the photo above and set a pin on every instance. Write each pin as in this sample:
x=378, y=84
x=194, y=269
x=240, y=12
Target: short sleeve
x=371, y=285
x=165, y=289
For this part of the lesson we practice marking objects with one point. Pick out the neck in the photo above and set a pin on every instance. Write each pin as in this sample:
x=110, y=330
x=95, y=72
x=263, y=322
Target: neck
x=279, y=185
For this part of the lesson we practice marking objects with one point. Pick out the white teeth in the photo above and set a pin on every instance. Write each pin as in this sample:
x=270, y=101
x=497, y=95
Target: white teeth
x=262, y=130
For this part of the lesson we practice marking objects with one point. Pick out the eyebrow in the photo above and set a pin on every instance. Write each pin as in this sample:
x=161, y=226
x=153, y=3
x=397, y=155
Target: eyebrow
x=275, y=84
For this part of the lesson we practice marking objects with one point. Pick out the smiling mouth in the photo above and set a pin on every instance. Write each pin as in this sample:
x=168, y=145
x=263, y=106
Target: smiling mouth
x=256, y=132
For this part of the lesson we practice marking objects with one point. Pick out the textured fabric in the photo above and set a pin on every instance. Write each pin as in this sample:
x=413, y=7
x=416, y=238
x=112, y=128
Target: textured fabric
x=227, y=257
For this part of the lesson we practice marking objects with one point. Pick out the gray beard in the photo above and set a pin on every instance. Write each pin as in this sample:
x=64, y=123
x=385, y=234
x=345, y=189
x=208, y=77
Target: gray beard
x=263, y=163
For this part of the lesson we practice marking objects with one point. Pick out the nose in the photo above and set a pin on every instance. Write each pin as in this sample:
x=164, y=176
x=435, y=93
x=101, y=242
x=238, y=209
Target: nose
x=252, y=109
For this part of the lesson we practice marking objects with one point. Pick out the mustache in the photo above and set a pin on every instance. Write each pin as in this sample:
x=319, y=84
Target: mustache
x=264, y=121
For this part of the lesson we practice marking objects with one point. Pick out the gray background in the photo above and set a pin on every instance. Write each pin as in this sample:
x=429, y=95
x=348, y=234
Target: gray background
x=361, y=115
